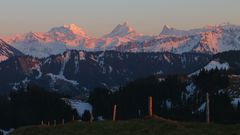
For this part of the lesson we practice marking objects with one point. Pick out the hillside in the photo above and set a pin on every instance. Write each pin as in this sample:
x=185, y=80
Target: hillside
x=73, y=72
x=232, y=58
x=132, y=127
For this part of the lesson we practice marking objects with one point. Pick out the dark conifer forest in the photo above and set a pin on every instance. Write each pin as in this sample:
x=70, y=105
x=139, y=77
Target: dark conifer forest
x=31, y=106
x=171, y=100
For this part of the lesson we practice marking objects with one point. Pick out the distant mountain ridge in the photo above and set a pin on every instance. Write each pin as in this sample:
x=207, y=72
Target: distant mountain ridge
x=210, y=40
x=215, y=40
x=60, y=39
x=167, y=30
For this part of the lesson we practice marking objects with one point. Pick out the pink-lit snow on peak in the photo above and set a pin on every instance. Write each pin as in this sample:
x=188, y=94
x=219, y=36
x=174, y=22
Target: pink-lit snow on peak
x=121, y=30
x=68, y=29
x=75, y=29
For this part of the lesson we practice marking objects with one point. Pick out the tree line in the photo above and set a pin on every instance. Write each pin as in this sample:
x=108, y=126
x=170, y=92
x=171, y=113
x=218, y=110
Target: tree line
x=31, y=106
x=170, y=98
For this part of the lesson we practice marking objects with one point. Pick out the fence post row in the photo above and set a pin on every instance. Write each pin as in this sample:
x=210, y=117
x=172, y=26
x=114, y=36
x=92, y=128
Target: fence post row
x=150, y=104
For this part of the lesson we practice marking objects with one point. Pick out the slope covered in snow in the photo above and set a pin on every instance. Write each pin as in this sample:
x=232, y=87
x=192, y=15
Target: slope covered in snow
x=213, y=65
x=80, y=106
x=7, y=51
x=6, y=132
x=68, y=31
x=219, y=39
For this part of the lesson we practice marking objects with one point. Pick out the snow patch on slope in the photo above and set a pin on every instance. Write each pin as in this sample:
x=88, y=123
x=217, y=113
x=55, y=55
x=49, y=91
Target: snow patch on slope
x=80, y=106
x=216, y=64
x=235, y=102
x=6, y=132
x=61, y=77
x=213, y=65
x=190, y=90
x=202, y=107
x=66, y=58
x=168, y=104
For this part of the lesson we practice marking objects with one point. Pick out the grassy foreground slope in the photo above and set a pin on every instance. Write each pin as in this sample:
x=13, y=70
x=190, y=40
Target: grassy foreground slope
x=132, y=127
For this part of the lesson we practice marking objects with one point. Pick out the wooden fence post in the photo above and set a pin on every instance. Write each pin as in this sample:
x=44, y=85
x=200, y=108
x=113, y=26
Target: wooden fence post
x=62, y=121
x=150, y=107
x=73, y=118
x=207, y=109
x=55, y=123
x=92, y=118
x=114, y=112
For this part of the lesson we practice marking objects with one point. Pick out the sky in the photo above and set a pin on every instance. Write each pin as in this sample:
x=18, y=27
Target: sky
x=99, y=17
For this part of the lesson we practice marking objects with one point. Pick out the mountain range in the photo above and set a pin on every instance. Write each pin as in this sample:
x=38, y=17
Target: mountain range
x=209, y=39
x=65, y=59
x=71, y=37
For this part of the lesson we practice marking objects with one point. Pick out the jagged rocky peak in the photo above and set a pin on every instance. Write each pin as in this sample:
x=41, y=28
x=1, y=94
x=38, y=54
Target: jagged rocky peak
x=167, y=30
x=166, y=27
x=121, y=30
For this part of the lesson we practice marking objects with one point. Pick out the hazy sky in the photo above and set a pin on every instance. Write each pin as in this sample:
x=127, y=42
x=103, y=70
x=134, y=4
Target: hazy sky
x=99, y=17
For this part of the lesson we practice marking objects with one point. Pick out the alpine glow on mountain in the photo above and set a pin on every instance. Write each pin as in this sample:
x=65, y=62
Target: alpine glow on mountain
x=208, y=39
x=121, y=30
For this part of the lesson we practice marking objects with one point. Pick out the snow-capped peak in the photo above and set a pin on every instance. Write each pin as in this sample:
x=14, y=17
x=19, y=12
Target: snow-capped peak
x=121, y=30
x=75, y=29
x=68, y=30
x=209, y=39
x=167, y=30
x=166, y=27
